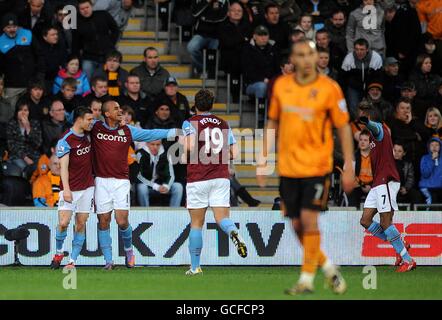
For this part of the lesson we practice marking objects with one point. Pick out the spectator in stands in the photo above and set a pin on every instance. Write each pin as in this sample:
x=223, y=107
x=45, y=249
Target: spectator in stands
x=157, y=175
x=433, y=124
x=431, y=21
x=363, y=172
x=348, y=6
x=431, y=173
x=336, y=55
x=320, y=10
x=289, y=11
x=427, y=84
x=306, y=26
x=112, y=71
x=54, y=53
x=260, y=63
x=53, y=127
x=285, y=67
x=407, y=193
x=357, y=28
x=135, y=98
x=35, y=17
x=99, y=91
x=65, y=34
x=233, y=34
x=208, y=15
x=43, y=162
x=177, y=102
x=67, y=95
x=405, y=128
x=120, y=10
x=161, y=119
x=438, y=100
x=324, y=64
x=278, y=31
x=96, y=35
x=402, y=33
x=336, y=29
x=374, y=96
x=151, y=74
x=408, y=90
x=35, y=99
x=46, y=189
x=95, y=106
x=19, y=58
x=6, y=110
x=72, y=70
x=24, y=140
x=252, y=11
x=392, y=80
x=429, y=48
x=360, y=66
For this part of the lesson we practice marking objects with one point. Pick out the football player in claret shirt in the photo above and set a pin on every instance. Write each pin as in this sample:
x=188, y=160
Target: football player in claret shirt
x=110, y=146
x=385, y=186
x=304, y=108
x=211, y=145
x=77, y=184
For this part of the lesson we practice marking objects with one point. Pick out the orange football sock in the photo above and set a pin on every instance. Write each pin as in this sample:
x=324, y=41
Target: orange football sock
x=322, y=257
x=312, y=248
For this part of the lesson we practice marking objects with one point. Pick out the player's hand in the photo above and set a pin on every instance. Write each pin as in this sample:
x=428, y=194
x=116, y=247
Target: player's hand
x=364, y=120
x=163, y=189
x=67, y=196
x=348, y=178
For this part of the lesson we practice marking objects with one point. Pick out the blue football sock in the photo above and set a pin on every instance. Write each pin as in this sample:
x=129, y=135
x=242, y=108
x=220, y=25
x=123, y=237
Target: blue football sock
x=195, y=246
x=59, y=237
x=394, y=237
x=376, y=230
x=126, y=235
x=77, y=245
x=227, y=226
x=105, y=241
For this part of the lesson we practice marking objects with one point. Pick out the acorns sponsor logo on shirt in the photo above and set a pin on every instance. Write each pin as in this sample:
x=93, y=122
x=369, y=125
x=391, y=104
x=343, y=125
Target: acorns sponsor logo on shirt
x=108, y=137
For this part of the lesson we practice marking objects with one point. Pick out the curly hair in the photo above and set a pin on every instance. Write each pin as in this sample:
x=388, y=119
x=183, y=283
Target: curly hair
x=204, y=100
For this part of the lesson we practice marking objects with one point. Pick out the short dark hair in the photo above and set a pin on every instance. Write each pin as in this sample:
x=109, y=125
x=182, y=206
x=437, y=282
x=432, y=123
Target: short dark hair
x=69, y=82
x=95, y=79
x=81, y=111
x=400, y=143
x=114, y=54
x=46, y=28
x=361, y=42
x=84, y=1
x=269, y=6
x=36, y=83
x=149, y=49
x=404, y=100
x=95, y=100
x=364, y=132
x=336, y=11
x=323, y=50
x=104, y=106
x=204, y=100
x=296, y=32
x=323, y=30
x=305, y=14
x=129, y=110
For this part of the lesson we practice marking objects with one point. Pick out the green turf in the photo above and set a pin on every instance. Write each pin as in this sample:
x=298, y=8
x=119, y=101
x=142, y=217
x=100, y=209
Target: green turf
x=216, y=283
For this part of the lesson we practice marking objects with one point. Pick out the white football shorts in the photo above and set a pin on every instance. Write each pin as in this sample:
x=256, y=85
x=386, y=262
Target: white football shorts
x=383, y=197
x=111, y=194
x=208, y=193
x=82, y=202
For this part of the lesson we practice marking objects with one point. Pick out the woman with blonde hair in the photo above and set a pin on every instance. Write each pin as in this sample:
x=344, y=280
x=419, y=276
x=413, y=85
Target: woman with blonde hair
x=433, y=123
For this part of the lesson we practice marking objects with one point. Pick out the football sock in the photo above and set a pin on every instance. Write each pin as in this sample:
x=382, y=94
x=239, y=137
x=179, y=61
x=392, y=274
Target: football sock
x=77, y=245
x=59, y=237
x=312, y=248
x=105, y=241
x=376, y=230
x=126, y=235
x=322, y=260
x=394, y=237
x=195, y=246
x=227, y=226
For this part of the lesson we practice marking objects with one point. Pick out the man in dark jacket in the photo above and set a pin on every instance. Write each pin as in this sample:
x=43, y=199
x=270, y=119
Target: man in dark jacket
x=67, y=95
x=278, y=31
x=54, y=53
x=374, y=96
x=359, y=68
x=177, y=102
x=35, y=17
x=208, y=14
x=336, y=29
x=136, y=99
x=392, y=80
x=336, y=53
x=35, y=99
x=289, y=10
x=96, y=34
x=98, y=91
x=152, y=75
x=402, y=33
x=19, y=58
x=53, y=127
x=260, y=62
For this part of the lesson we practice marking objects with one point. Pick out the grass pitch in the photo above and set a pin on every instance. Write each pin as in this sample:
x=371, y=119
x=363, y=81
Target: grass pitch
x=232, y=283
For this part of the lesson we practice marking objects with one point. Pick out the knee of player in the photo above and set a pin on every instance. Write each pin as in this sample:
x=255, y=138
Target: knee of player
x=63, y=225
x=365, y=222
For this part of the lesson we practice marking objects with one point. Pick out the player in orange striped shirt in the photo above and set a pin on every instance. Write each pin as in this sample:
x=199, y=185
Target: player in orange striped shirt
x=303, y=109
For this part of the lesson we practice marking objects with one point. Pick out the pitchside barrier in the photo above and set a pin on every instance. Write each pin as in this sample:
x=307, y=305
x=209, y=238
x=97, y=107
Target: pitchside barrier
x=160, y=238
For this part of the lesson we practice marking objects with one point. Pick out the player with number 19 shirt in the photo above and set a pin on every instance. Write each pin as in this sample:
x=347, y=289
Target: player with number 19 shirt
x=211, y=145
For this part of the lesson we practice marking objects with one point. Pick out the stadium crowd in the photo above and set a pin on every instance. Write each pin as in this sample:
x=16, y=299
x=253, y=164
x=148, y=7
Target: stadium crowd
x=383, y=53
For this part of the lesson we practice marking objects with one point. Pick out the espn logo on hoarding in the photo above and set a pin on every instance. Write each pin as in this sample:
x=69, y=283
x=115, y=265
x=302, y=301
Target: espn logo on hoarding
x=425, y=240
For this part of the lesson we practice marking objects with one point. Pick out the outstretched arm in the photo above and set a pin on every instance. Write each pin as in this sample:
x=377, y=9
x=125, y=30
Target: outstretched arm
x=375, y=128
x=147, y=135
